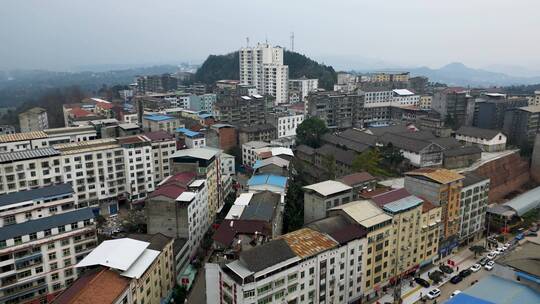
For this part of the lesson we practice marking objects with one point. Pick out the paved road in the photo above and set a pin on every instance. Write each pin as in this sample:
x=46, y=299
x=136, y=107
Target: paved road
x=197, y=294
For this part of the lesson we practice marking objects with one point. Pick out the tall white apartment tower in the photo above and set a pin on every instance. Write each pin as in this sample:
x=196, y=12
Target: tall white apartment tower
x=262, y=66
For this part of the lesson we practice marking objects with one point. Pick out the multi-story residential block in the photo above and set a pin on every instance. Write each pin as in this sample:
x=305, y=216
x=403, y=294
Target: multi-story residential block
x=336, y=109
x=433, y=123
x=429, y=242
x=404, y=97
x=248, y=151
x=522, y=124
x=473, y=206
x=454, y=104
x=418, y=84
x=204, y=102
x=179, y=209
x=377, y=261
x=139, y=164
x=156, y=83
x=263, y=67
x=254, y=151
x=320, y=197
x=163, y=146
x=221, y=136
x=261, y=132
x=206, y=163
x=158, y=122
x=285, y=122
x=535, y=101
x=425, y=102
x=486, y=139
x=286, y=270
x=390, y=77
x=34, y=119
x=406, y=212
x=147, y=265
x=490, y=109
x=241, y=110
x=301, y=87
x=42, y=236
x=361, y=182
x=191, y=139
x=441, y=187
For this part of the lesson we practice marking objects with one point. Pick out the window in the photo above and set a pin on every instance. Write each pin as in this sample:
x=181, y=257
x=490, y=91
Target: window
x=52, y=256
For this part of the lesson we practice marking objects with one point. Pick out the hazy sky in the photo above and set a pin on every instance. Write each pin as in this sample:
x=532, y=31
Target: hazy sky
x=68, y=33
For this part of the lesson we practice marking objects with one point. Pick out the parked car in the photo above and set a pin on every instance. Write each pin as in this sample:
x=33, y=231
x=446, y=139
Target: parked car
x=489, y=265
x=475, y=267
x=483, y=261
x=434, y=293
x=506, y=246
x=492, y=255
x=500, y=249
x=421, y=282
x=446, y=269
x=455, y=293
x=530, y=233
x=456, y=279
x=465, y=273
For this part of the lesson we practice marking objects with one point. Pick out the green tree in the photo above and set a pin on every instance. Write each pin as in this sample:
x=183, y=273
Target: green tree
x=392, y=159
x=310, y=132
x=135, y=221
x=179, y=294
x=293, y=217
x=369, y=161
x=477, y=249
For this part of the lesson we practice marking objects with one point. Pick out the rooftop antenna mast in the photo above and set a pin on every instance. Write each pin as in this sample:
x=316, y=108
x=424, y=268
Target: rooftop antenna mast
x=247, y=41
x=292, y=41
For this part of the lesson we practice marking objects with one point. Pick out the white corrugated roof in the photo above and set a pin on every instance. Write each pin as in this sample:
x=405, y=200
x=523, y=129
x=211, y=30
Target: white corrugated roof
x=328, y=187
x=197, y=183
x=364, y=213
x=144, y=261
x=118, y=254
x=281, y=151
x=403, y=92
x=204, y=153
x=243, y=199
x=235, y=212
x=186, y=196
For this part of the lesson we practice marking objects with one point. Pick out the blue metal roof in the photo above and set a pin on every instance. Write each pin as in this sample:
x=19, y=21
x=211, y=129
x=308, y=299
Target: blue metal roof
x=158, y=117
x=187, y=132
x=274, y=180
x=462, y=298
x=258, y=164
x=501, y=291
x=35, y=194
x=205, y=115
x=11, y=231
x=403, y=204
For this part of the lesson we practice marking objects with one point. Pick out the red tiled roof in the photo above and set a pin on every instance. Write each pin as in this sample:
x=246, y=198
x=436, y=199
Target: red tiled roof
x=390, y=196
x=348, y=233
x=356, y=178
x=225, y=234
x=183, y=178
x=170, y=190
x=427, y=206
x=101, y=286
x=378, y=191
x=266, y=154
x=159, y=135
x=78, y=112
x=104, y=105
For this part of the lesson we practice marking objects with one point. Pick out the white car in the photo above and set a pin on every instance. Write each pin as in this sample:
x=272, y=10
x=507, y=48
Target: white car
x=475, y=267
x=455, y=293
x=506, y=246
x=500, y=249
x=434, y=293
x=492, y=255
x=489, y=265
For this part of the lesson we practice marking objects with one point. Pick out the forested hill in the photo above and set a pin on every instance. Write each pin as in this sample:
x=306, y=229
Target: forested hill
x=217, y=67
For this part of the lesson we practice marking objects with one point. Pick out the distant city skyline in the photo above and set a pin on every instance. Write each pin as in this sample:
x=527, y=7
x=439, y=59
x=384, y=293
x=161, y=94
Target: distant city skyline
x=63, y=35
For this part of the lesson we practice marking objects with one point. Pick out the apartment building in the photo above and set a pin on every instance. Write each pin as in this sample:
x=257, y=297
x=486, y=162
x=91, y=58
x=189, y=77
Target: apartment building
x=163, y=146
x=146, y=261
x=248, y=151
x=300, y=88
x=320, y=197
x=285, y=122
x=191, y=139
x=42, y=236
x=456, y=104
x=473, y=206
x=441, y=187
x=377, y=261
x=179, y=209
x=262, y=66
x=204, y=102
x=522, y=124
x=206, y=163
x=429, y=242
x=7, y=129
x=425, y=102
x=239, y=110
x=286, y=270
x=139, y=164
x=261, y=132
x=490, y=109
x=404, y=97
x=45, y=138
x=34, y=119
x=390, y=77
x=336, y=109
x=159, y=122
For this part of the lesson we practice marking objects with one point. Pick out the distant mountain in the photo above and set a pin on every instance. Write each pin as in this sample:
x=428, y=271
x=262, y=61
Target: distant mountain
x=22, y=85
x=457, y=74
x=217, y=67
